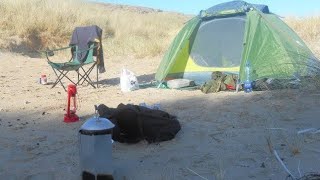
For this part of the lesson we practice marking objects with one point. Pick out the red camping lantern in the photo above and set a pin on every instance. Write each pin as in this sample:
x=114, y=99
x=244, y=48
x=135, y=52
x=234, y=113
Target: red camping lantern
x=72, y=105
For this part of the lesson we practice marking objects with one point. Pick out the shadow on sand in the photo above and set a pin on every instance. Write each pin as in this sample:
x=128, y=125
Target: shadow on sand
x=216, y=128
x=116, y=81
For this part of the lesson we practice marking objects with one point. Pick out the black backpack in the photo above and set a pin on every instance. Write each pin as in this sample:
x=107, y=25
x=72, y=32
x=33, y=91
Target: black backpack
x=135, y=123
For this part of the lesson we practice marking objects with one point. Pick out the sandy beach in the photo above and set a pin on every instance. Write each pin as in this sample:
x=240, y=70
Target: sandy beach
x=223, y=136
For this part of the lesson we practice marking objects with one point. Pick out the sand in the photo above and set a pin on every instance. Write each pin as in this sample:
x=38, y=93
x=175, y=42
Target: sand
x=223, y=136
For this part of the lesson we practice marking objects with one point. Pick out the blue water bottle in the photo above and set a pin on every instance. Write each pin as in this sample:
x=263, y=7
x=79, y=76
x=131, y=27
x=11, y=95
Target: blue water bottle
x=248, y=82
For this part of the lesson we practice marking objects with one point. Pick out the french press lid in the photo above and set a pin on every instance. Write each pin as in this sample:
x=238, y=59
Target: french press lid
x=97, y=126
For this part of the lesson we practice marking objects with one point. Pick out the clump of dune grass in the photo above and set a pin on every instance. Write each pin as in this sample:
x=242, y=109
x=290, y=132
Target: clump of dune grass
x=308, y=28
x=37, y=24
x=42, y=23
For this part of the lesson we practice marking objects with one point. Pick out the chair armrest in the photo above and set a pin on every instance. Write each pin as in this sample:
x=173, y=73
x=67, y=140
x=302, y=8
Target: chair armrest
x=50, y=52
x=59, y=48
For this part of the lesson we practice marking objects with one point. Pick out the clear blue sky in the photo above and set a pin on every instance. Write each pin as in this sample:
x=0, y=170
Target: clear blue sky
x=280, y=7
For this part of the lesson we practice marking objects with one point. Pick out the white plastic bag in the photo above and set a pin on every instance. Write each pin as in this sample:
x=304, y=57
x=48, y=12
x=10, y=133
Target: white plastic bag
x=128, y=81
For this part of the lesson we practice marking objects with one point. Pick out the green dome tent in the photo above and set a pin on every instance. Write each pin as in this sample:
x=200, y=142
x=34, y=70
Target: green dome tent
x=226, y=36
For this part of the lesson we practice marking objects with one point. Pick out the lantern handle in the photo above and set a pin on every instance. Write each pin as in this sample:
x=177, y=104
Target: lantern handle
x=96, y=111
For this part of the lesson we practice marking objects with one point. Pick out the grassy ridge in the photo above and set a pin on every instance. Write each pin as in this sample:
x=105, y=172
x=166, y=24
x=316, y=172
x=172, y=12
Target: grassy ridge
x=308, y=29
x=36, y=24
x=141, y=32
x=39, y=23
x=130, y=31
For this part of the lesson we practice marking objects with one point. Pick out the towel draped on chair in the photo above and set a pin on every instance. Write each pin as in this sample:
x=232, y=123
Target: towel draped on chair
x=82, y=36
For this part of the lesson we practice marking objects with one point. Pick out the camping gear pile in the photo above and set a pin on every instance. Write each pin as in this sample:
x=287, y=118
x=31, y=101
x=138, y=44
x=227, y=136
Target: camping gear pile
x=134, y=123
x=219, y=82
x=226, y=36
x=228, y=82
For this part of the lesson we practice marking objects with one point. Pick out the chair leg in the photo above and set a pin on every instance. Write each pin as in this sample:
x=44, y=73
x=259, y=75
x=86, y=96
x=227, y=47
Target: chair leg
x=58, y=80
x=97, y=78
x=78, y=75
x=86, y=77
x=63, y=74
x=83, y=77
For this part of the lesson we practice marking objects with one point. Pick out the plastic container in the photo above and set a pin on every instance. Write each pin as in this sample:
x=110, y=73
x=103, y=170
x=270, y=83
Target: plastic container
x=179, y=83
x=43, y=79
x=248, y=82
